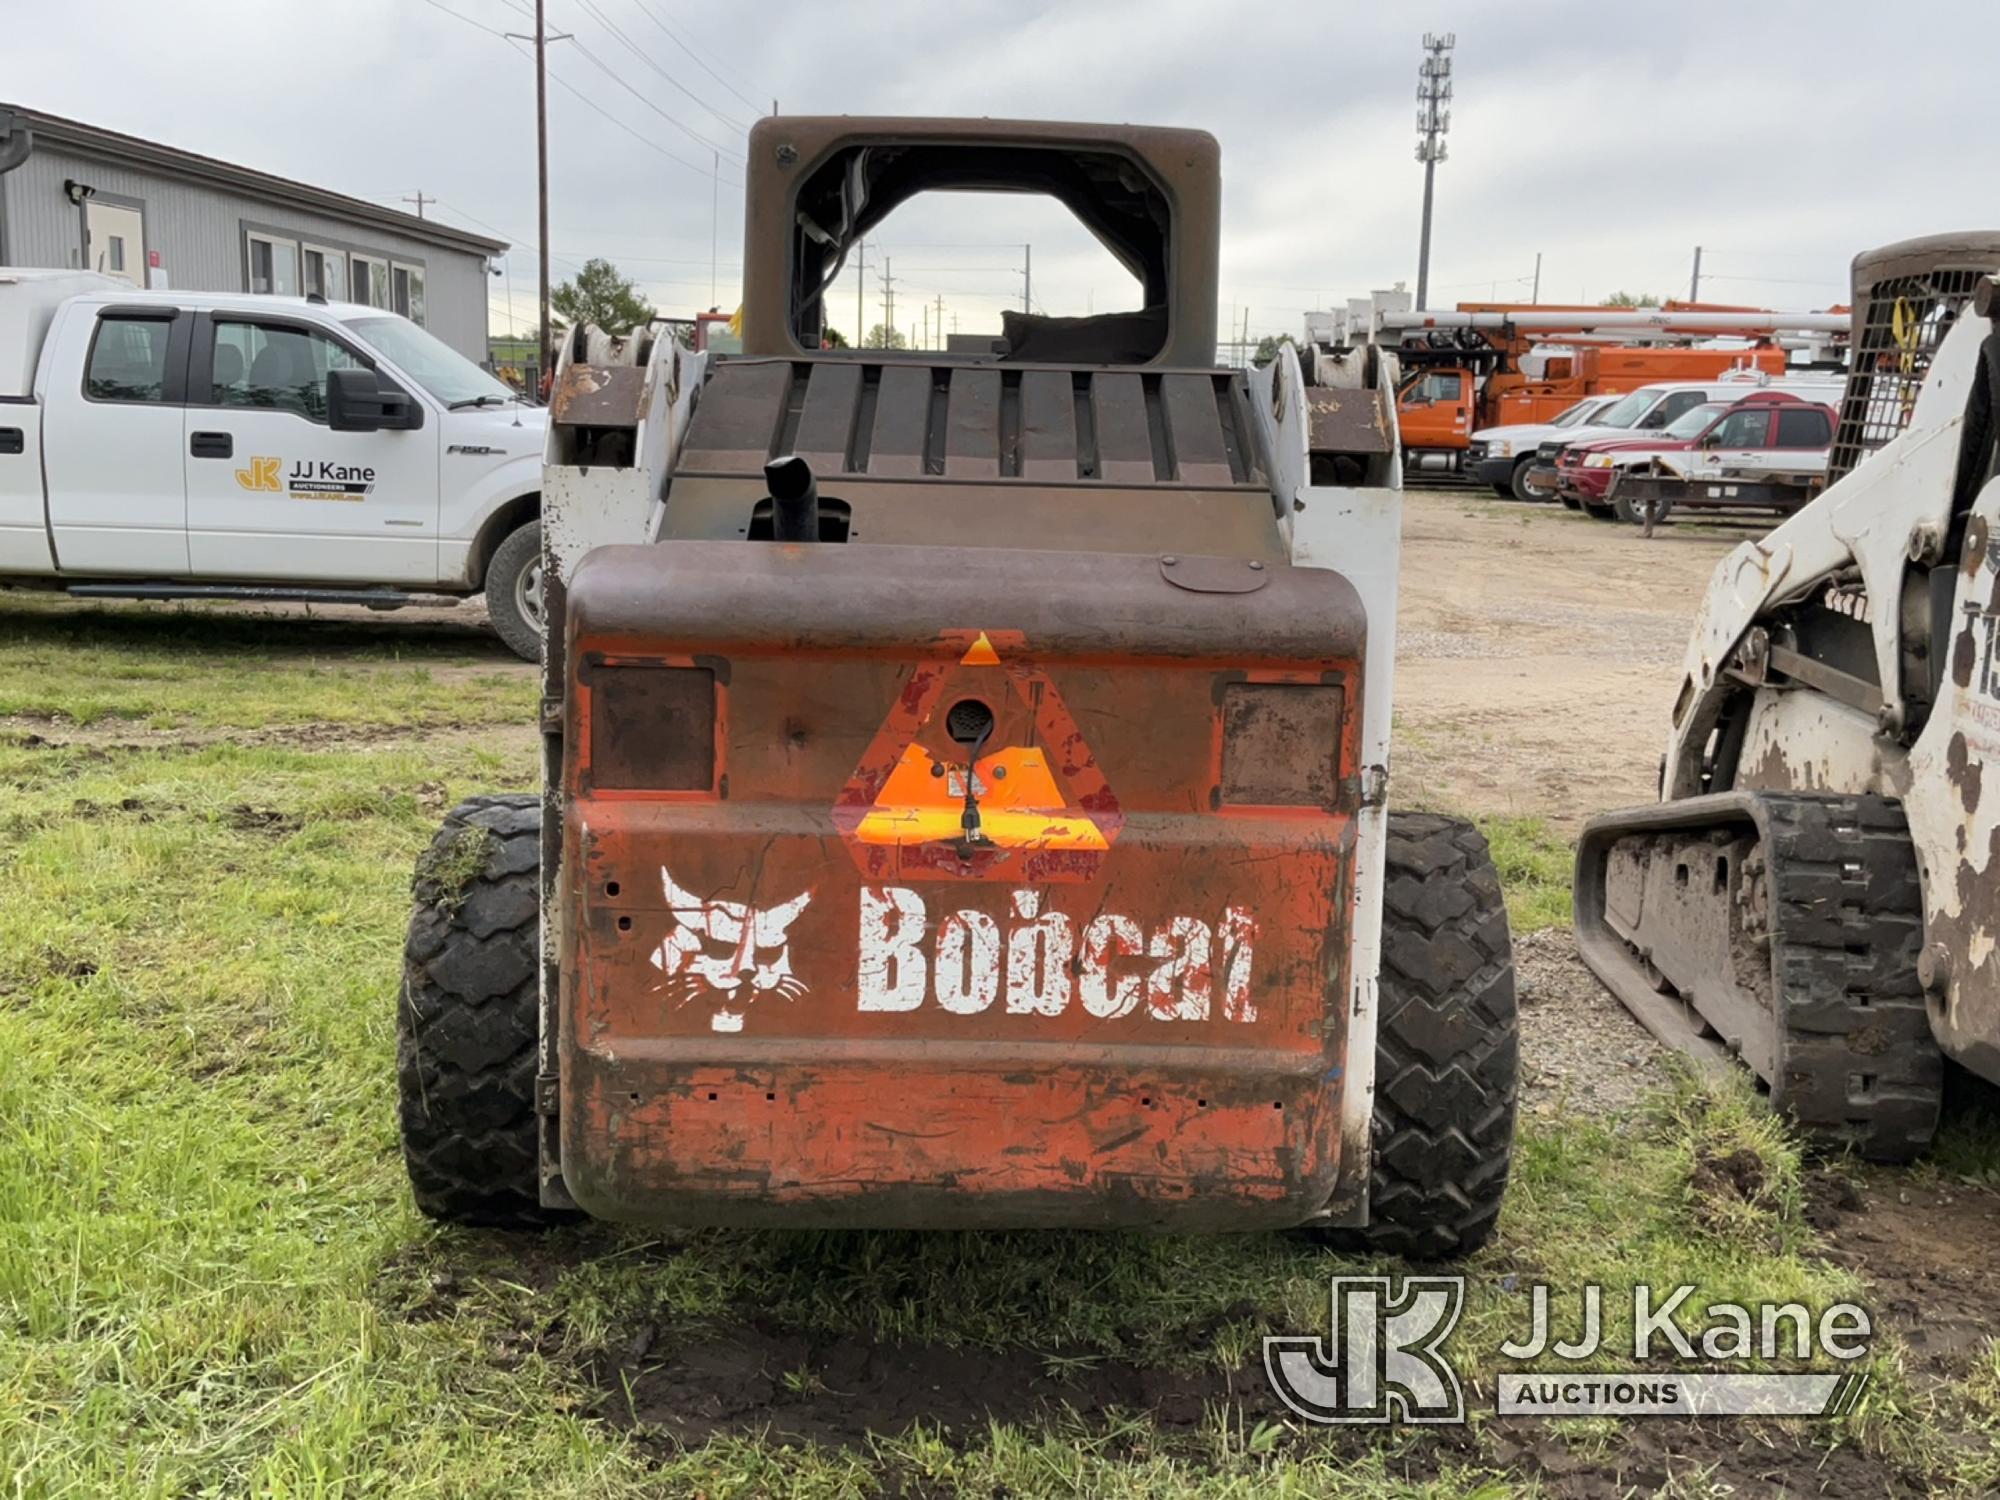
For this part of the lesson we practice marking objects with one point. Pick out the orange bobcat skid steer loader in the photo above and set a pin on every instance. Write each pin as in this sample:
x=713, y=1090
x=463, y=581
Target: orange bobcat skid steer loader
x=965, y=774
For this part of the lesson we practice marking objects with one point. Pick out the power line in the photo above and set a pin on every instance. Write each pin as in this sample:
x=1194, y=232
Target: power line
x=456, y=16
x=585, y=99
x=590, y=8
x=687, y=130
x=645, y=140
x=646, y=11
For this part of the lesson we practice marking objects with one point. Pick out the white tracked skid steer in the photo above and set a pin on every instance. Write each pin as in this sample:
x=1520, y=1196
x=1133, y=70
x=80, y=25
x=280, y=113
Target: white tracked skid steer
x=1817, y=892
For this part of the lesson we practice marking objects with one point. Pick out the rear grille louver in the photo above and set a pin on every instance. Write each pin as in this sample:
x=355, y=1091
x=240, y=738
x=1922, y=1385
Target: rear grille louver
x=975, y=423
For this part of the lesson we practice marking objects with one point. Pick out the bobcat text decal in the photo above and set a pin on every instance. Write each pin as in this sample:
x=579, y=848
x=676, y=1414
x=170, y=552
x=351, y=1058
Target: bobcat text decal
x=724, y=954
x=1183, y=969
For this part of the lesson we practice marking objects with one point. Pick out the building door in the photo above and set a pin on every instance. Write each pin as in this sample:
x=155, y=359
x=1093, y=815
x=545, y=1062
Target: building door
x=273, y=492
x=117, y=240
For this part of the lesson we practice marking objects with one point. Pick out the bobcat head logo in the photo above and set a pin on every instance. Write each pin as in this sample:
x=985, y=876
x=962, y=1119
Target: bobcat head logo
x=726, y=954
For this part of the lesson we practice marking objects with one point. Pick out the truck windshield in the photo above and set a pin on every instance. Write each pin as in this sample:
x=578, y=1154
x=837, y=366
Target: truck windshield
x=436, y=366
x=1626, y=410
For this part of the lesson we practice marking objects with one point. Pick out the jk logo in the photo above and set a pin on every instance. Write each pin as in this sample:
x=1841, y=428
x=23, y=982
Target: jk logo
x=1380, y=1361
x=261, y=475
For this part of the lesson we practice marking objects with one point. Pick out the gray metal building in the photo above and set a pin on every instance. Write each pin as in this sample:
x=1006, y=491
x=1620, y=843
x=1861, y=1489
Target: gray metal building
x=82, y=197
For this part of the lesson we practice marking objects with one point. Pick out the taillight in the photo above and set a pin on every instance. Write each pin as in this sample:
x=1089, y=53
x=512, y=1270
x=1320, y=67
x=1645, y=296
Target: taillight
x=1281, y=744
x=652, y=728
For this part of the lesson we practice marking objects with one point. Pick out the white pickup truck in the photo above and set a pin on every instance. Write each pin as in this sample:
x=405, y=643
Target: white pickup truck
x=195, y=445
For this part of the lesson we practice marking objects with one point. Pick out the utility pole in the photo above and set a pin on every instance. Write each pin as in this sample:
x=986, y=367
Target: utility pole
x=541, y=39
x=1028, y=279
x=1694, y=284
x=1536, y=295
x=420, y=200
x=547, y=357
x=860, y=294
x=927, y=326
x=888, y=303
x=1433, y=122
x=940, y=319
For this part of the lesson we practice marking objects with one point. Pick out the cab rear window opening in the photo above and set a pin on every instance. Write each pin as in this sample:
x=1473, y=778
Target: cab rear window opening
x=284, y=266
x=137, y=359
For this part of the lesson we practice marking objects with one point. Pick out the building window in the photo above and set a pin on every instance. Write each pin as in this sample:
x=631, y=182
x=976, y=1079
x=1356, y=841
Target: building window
x=326, y=273
x=371, y=281
x=409, y=291
x=274, y=368
x=274, y=266
x=128, y=360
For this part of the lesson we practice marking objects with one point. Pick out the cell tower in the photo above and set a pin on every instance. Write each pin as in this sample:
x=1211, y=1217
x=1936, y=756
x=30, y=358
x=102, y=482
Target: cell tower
x=1433, y=123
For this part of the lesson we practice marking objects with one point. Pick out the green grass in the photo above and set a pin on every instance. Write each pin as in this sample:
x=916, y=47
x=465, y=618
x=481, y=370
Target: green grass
x=212, y=1280
x=199, y=668
x=1535, y=868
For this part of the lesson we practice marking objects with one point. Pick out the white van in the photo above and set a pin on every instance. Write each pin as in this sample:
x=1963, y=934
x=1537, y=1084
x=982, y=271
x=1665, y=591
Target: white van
x=210, y=445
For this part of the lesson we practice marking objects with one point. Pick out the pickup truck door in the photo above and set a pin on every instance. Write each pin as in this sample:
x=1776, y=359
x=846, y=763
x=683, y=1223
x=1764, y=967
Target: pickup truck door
x=1737, y=443
x=275, y=493
x=112, y=423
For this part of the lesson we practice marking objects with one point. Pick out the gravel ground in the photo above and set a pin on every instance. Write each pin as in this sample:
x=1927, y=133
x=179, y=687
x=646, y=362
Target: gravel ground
x=1581, y=1051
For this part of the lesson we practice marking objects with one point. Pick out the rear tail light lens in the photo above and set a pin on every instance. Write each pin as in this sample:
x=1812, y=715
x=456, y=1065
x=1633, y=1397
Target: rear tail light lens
x=1281, y=744
x=651, y=728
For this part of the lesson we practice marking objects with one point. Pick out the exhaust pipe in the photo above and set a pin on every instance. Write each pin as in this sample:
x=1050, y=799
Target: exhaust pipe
x=794, y=499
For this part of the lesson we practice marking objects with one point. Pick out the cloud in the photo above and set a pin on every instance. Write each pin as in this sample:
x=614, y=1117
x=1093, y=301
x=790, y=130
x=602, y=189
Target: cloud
x=1610, y=139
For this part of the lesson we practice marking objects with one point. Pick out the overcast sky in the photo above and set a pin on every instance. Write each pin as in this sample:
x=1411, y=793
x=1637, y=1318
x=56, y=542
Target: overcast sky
x=1781, y=136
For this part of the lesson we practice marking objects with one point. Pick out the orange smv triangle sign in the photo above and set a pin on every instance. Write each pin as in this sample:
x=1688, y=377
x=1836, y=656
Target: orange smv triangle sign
x=978, y=718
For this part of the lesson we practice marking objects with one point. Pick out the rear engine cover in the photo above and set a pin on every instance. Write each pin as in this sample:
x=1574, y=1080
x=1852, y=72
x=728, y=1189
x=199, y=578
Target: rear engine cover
x=807, y=980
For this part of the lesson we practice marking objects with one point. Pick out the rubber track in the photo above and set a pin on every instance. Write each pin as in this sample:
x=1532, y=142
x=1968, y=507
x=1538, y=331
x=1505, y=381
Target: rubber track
x=466, y=1026
x=1447, y=1048
x=1857, y=1063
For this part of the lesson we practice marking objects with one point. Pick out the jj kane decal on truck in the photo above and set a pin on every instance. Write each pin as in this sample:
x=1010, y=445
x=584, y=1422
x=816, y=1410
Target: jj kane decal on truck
x=308, y=479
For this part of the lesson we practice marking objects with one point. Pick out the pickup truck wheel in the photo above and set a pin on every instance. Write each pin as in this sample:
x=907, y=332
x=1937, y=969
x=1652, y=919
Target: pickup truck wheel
x=514, y=591
x=467, y=1024
x=1447, y=1047
x=1570, y=502
x=1596, y=512
x=1520, y=488
x=1504, y=491
x=1625, y=510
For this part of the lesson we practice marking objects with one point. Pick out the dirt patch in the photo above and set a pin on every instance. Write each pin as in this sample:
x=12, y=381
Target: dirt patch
x=840, y=1391
x=1578, y=628
x=1708, y=1458
x=1927, y=1250
x=1581, y=1051
x=262, y=820
x=837, y=1390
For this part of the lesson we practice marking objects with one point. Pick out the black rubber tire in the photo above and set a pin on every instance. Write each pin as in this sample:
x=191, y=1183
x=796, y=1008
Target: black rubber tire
x=1570, y=502
x=467, y=1023
x=1447, y=1047
x=1519, y=487
x=1503, y=492
x=1625, y=510
x=520, y=551
x=1596, y=512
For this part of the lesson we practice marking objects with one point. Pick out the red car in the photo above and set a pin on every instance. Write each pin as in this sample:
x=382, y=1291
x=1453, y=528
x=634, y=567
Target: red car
x=1764, y=429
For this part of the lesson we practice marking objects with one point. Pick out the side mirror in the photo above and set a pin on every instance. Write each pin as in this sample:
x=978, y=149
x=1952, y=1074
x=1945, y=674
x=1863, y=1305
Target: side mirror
x=363, y=401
